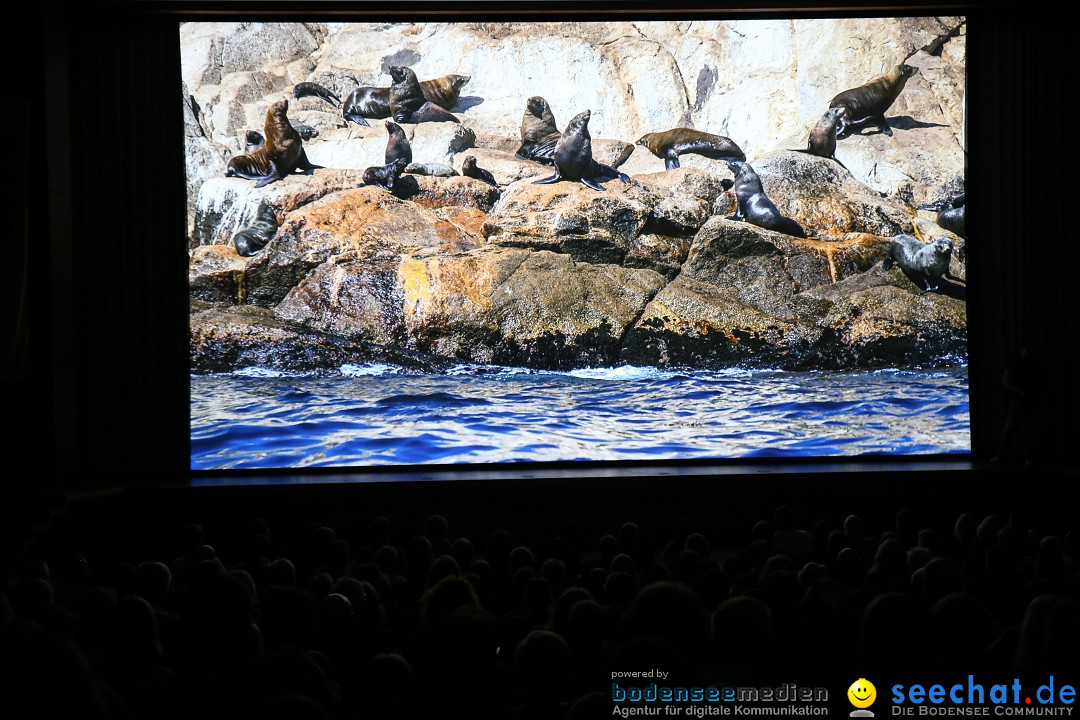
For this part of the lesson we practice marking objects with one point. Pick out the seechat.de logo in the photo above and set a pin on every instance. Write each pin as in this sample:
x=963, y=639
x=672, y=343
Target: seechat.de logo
x=862, y=694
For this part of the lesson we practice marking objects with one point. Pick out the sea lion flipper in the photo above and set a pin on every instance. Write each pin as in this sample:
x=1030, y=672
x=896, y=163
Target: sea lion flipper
x=671, y=160
x=430, y=112
x=588, y=182
x=554, y=178
x=358, y=119
x=306, y=165
x=887, y=263
x=883, y=126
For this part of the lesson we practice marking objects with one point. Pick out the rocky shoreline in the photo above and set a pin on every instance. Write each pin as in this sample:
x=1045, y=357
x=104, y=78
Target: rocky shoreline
x=560, y=276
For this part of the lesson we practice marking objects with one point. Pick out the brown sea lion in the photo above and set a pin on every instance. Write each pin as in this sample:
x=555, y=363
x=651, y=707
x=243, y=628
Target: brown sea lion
x=469, y=168
x=374, y=103
x=539, y=134
x=281, y=154
x=386, y=175
x=923, y=263
x=754, y=206
x=574, y=160
x=822, y=139
x=255, y=236
x=407, y=101
x=397, y=145
x=670, y=144
x=868, y=103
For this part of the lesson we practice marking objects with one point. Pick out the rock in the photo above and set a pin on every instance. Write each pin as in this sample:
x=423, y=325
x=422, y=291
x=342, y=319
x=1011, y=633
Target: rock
x=359, y=147
x=438, y=192
x=226, y=339
x=591, y=225
x=505, y=166
x=366, y=223
x=215, y=273
x=227, y=205
x=691, y=323
x=826, y=200
x=203, y=159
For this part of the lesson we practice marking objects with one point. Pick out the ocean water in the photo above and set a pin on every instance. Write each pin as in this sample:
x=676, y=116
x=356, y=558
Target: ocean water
x=377, y=415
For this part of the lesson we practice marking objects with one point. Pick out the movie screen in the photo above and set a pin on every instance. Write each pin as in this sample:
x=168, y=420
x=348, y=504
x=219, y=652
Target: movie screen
x=419, y=243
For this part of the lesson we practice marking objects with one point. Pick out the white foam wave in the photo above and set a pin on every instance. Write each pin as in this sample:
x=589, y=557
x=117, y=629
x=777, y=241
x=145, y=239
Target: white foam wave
x=369, y=369
x=263, y=372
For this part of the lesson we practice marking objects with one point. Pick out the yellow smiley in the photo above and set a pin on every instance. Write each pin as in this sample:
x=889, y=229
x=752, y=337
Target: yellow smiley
x=862, y=693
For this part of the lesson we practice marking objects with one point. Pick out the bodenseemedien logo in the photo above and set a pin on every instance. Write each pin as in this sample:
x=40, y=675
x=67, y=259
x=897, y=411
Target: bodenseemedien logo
x=862, y=694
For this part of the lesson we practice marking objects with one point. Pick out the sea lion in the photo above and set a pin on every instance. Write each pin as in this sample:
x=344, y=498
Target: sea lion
x=374, y=103
x=754, y=206
x=397, y=145
x=868, y=103
x=539, y=134
x=670, y=144
x=822, y=140
x=431, y=169
x=407, y=101
x=310, y=89
x=574, y=160
x=282, y=153
x=386, y=175
x=923, y=263
x=470, y=169
x=255, y=236
x=253, y=140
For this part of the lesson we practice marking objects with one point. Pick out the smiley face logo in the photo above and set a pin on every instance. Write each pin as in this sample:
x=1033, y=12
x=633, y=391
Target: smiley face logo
x=862, y=693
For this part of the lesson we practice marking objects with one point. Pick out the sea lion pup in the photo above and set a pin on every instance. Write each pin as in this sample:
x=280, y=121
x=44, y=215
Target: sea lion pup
x=574, y=160
x=310, y=89
x=868, y=103
x=386, y=175
x=407, y=101
x=397, y=145
x=255, y=236
x=822, y=140
x=282, y=153
x=374, y=103
x=923, y=263
x=754, y=206
x=469, y=168
x=670, y=144
x=539, y=134
x=253, y=140
x=431, y=170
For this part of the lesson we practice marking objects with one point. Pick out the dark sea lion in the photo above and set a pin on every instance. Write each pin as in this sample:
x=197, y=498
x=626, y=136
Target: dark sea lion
x=282, y=153
x=822, y=140
x=539, y=134
x=469, y=168
x=574, y=160
x=253, y=140
x=431, y=170
x=923, y=263
x=310, y=89
x=407, y=101
x=754, y=206
x=397, y=145
x=366, y=102
x=670, y=144
x=386, y=175
x=255, y=236
x=374, y=103
x=868, y=103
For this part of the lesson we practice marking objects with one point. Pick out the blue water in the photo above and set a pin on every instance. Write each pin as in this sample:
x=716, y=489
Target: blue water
x=383, y=415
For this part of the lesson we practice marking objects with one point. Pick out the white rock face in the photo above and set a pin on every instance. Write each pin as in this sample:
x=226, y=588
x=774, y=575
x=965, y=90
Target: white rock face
x=762, y=83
